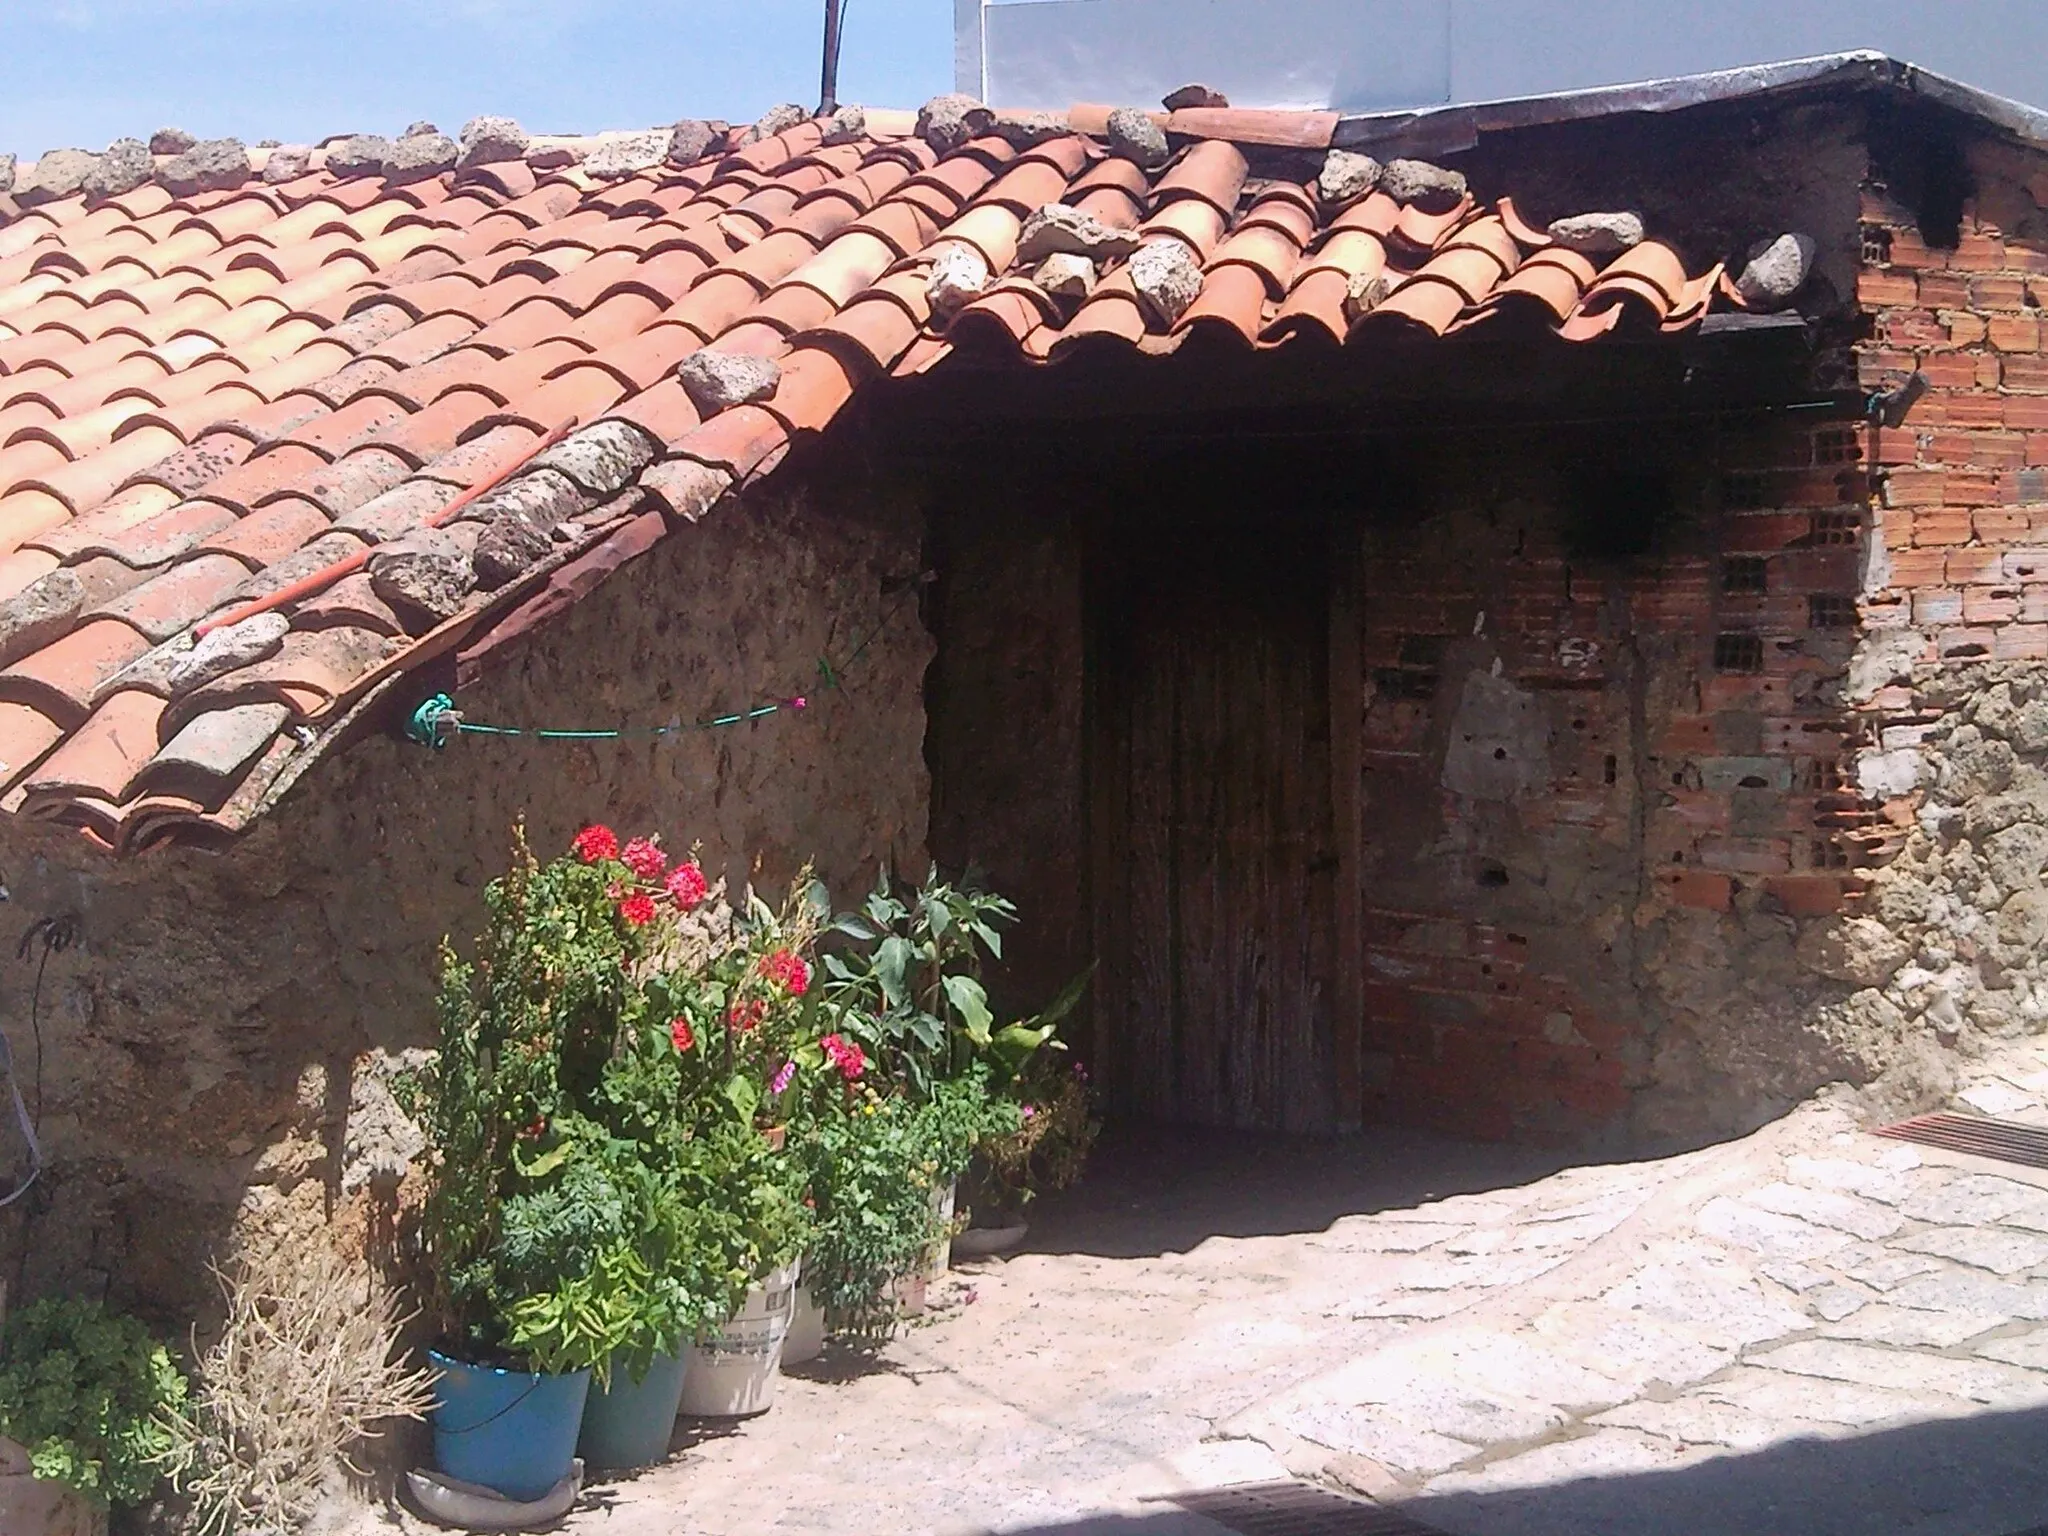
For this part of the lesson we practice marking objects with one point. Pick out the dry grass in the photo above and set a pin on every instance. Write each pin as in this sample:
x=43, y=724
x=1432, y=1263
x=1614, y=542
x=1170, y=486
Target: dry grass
x=306, y=1370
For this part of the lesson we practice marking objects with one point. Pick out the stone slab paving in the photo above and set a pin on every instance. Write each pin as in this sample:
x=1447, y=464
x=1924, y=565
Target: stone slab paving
x=1869, y=1313
x=1808, y=1332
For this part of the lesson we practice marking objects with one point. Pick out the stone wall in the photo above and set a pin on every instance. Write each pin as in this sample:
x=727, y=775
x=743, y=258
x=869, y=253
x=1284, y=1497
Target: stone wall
x=211, y=1046
x=1938, y=946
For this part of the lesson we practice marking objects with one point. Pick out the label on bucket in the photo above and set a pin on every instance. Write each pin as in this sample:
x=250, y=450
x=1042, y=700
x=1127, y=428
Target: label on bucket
x=759, y=1329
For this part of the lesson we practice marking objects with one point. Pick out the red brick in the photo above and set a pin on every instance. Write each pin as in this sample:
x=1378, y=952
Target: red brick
x=2024, y=412
x=2023, y=565
x=2015, y=333
x=1998, y=293
x=1747, y=855
x=1897, y=445
x=1978, y=253
x=1690, y=733
x=1915, y=488
x=1971, y=488
x=1965, y=644
x=1919, y=567
x=1807, y=895
x=1937, y=605
x=1990, y=605
x=1964, y=329
x=1950, y=370
x=1760, y=532
x=1972, y=565
x=1989, y=449
x=1971, y=410
x=1880, y=290
x=1911, y=252
x=2027, y=374
x=2034, y=604
x=2021, y=642
x=1914, y=328
x=1944, y=290
x=1941, y=525
x=1698, y=888
x=2000, y=528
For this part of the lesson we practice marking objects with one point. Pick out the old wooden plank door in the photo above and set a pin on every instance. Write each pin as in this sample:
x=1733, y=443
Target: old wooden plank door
x=1213, y=866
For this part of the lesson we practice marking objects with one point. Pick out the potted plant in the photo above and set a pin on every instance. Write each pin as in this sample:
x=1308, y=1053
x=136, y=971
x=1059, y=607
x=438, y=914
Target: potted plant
x=553, y=1232
x=91, y=1410
x=738, y=990
x=1056, y=1130
x=910, y=987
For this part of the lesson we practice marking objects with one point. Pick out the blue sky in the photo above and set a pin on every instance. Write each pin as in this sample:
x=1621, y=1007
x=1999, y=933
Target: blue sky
x=83, y=72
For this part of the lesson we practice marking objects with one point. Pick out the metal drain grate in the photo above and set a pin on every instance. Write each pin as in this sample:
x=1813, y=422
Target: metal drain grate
x=2006, y=1140
x=1297, y=1509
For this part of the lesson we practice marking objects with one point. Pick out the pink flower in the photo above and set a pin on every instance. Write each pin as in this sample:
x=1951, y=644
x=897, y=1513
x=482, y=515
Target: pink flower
x=637, y=909
x=681, y=1035
x=644, y=857
x=1028, y=1111
x=845, y=1055
x=686, y=884
x=787, y=967
x=596, y=843
x=782, y=1077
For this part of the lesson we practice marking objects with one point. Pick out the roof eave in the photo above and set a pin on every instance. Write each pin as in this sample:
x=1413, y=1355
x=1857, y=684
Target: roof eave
x=1445, y=130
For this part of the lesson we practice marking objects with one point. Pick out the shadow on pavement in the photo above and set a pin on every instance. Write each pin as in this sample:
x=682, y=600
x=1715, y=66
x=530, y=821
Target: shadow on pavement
x=1981, y=1475
x=1161, y=1189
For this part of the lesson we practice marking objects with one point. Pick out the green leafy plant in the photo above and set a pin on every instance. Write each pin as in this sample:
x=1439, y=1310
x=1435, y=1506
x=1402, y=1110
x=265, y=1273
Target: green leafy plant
x=1048, y=1147
x=95, y=1398
x=873, y=1165
x=909, y=987
x=600, y=1192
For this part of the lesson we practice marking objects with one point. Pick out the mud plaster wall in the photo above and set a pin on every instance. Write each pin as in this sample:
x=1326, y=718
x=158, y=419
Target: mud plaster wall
x=199, y=1044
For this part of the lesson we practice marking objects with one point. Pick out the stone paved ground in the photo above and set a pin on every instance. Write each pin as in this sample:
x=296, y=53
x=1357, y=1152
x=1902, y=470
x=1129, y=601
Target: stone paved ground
x=1806, y=1332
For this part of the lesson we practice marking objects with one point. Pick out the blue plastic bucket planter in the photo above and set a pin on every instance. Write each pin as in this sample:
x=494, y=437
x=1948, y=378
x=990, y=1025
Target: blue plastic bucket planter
x=628, y=1424
x=513, y=1432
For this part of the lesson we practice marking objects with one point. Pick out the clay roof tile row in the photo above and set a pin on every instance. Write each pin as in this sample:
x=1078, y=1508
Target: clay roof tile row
x=212, y=400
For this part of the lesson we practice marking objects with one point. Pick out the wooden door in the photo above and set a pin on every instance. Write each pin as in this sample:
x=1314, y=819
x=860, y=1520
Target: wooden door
x=1213, y=870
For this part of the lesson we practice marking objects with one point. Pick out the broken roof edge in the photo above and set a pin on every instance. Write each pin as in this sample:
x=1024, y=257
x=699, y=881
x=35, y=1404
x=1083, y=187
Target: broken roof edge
x=1448, y=129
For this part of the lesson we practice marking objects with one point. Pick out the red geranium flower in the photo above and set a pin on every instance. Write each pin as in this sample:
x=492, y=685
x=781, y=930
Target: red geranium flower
x=747, y=1015
x=844, y=1054
x=644, y=857
x=787, y=967
x=595, y=843
x=681, y=1034
x=687, y=885
x=637, y=909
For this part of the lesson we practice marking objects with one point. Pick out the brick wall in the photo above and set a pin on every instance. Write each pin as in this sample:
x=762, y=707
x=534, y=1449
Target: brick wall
x=1607, y=949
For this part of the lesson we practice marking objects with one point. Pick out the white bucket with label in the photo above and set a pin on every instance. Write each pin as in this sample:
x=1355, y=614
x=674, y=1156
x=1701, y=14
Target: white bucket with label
x=732, y=1373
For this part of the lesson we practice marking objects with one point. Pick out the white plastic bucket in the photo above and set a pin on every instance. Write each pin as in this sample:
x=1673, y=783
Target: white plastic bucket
x=939, y=1257
x=806, y=1339
x=732, y=1373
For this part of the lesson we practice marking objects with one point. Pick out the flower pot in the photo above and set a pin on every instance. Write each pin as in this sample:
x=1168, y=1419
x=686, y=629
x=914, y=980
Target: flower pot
x=984, y=1242
x=513, y=1432
x=806, y=1338
x=731, y=1374
x=939, y=1257
x=628, y=1423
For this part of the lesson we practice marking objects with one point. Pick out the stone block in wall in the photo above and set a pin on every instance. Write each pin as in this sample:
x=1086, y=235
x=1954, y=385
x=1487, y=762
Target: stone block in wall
x=32, y=1506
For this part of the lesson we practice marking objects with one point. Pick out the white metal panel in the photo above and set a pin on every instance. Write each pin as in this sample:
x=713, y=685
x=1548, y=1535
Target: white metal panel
x=1371, y=55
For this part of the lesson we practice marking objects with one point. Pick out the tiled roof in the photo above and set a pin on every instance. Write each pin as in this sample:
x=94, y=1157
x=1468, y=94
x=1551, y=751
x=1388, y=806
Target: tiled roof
x=209, y=399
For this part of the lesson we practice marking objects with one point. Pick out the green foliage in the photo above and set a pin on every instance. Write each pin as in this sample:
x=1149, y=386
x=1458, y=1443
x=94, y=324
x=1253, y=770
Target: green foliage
x=909, y=986
x=873, y=1172
x=1050, y=1144
x=93, y=1396
x=592, y=1204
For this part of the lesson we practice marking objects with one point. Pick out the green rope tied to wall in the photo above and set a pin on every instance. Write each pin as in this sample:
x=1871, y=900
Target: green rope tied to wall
x=436, y=720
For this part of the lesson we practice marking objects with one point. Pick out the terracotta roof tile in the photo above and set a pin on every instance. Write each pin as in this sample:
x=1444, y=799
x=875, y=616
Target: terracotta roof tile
x=203, y=400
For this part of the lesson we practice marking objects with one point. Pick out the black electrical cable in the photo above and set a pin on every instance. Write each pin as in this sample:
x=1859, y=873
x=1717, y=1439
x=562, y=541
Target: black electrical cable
x=57, y=933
